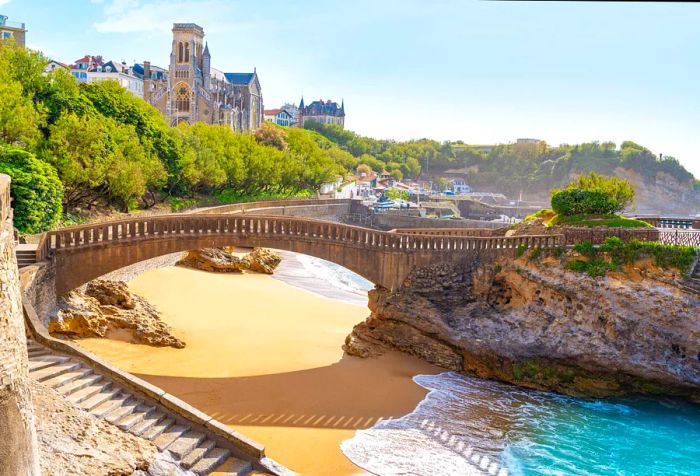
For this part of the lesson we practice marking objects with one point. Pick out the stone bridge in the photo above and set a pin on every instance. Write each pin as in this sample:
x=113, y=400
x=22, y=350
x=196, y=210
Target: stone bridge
x=83, y=253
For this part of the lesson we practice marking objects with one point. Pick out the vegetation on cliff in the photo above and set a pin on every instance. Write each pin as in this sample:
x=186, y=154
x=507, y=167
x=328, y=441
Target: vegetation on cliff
x=614, y=253
x=590, y=200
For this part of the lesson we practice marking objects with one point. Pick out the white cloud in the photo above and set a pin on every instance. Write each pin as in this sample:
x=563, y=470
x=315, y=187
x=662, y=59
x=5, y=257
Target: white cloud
x=4, y=2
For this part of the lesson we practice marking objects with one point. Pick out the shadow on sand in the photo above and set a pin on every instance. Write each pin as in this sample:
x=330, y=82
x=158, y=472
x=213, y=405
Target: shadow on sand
x=353, y=393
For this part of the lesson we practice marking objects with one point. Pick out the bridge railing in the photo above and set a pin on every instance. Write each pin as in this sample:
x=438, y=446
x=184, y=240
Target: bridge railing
x=289, y=202
x=247, y=226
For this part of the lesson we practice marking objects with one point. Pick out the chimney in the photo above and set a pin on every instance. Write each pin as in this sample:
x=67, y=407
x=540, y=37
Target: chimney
x=147, y=81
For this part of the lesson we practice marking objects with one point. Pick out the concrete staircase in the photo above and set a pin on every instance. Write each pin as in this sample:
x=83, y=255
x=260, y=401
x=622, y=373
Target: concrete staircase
x=193, y=450
x=26, y=254
x=693, y=282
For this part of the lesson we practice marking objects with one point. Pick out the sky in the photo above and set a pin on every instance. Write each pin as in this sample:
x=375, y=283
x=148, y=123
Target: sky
x=480, y=71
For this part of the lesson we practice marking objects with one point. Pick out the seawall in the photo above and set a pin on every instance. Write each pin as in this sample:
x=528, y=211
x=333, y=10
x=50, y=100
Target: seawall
x=18, y=444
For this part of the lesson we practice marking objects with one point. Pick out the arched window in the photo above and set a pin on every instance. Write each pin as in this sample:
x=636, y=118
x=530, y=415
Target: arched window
x=187, y=52
x=180, y=53
x=182, y=98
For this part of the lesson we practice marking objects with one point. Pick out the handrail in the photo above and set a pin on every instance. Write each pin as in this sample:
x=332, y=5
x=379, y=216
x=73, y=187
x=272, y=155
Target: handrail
x=275, y=226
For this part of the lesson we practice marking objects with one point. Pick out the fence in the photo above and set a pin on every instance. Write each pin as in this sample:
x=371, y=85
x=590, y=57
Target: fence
x=680, y=237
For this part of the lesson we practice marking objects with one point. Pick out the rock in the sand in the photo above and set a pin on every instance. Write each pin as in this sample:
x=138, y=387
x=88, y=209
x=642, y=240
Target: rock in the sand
x=215, y=259
x=225, y=260
x=263, y=260
x=106, y=306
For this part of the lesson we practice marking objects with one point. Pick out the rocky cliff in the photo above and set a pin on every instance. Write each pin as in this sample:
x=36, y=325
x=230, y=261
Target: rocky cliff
x=535, y=324
x=230, y=260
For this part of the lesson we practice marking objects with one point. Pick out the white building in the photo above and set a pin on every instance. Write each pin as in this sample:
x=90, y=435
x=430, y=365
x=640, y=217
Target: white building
x=89, y=69
x=281, y=117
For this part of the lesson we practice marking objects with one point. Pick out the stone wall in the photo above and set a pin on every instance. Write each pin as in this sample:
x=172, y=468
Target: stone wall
x=18, y=441
x=386, y=221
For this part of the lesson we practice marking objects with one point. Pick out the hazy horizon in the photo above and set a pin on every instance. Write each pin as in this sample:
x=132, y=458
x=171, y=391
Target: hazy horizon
x=481, y=72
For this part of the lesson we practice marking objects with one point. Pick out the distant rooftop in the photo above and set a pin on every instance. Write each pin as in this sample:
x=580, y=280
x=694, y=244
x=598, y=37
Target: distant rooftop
x=10, y=24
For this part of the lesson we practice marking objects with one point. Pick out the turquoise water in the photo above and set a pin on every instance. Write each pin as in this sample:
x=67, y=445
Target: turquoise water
x=464, y=422
x=467, y=424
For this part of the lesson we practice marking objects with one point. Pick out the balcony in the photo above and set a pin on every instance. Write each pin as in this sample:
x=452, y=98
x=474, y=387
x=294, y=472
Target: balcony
x=10, y=24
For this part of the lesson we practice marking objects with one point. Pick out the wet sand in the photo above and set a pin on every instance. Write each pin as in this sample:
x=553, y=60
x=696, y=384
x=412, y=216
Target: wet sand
x=265, y=358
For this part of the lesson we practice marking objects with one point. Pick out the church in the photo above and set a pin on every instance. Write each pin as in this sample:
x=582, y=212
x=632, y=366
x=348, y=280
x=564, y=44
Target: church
x=193, y=91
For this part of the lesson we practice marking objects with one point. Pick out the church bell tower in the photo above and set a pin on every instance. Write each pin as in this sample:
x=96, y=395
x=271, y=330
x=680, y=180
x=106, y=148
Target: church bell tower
x=186, y=64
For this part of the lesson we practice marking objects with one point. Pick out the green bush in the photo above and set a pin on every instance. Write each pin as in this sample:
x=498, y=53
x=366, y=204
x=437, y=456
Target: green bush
x=582, y=202
x=37, y=193
x=665, y=256
x=594, y=268
x=586, y=248
x=520, y=250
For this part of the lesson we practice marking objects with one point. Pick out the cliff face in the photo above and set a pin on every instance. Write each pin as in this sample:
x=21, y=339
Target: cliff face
x=663, y=194
x=537, y=325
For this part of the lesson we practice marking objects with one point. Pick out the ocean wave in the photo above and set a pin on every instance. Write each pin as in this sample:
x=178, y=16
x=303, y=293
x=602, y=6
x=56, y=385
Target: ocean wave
x=468, y=426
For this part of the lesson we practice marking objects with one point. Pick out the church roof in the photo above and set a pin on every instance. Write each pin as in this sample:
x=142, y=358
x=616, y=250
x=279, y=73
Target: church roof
x=239, y=78
x=218, y=74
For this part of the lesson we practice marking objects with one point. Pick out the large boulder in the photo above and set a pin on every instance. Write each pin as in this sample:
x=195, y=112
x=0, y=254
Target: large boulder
x=107, y=306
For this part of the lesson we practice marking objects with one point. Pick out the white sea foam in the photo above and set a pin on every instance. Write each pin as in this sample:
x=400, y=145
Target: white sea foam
x=442, y=436
x=335, y=275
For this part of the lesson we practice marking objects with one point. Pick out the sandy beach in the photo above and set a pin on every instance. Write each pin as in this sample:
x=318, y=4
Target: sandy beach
x=265, y=357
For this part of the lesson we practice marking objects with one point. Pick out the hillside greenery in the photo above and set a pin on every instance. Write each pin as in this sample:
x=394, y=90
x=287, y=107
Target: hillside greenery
x=109, y=148
x=506, y=168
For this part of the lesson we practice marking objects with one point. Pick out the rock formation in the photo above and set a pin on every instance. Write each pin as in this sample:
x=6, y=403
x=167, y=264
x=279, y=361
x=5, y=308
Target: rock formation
x=226, y=260
x=535, y=324
x=106, y=306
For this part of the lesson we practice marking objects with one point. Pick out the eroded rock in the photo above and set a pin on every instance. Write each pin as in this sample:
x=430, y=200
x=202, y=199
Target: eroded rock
x=227, y=260
x=535, y=324
x=107, y=306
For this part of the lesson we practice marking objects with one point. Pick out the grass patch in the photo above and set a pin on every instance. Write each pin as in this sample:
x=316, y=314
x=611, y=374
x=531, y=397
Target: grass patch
x=546, y=214
x=520, y=250
x=177, y=204
x=592, y=221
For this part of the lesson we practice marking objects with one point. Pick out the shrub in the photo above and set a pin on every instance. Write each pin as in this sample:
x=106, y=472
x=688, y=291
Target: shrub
x=582, y=202
x=536, y=252
x=520, y=250
x=37, y=192
x=593, y=194
x=586, y=248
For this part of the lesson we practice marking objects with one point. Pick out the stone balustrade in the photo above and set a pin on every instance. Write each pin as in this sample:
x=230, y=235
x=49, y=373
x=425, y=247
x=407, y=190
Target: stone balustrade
x=275, y=226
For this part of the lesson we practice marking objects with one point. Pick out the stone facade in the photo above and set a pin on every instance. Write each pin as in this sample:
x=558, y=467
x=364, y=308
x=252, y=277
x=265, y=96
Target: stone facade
x=194, y=91
x=18, y=445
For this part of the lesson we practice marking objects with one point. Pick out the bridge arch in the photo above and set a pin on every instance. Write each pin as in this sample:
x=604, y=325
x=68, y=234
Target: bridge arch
x=83, y=253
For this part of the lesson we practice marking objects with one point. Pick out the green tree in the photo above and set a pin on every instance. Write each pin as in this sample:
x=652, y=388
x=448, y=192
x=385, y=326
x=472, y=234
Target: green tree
x=36, y=190
x=271, y=135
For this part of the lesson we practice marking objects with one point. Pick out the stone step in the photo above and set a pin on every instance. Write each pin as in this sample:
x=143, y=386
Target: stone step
x=104, y=408
x=230, y=467
x=82, y=396
x=148, y=422
x=127, y=407
x=85, y=381
x=185, y=443
x=137, y=416
x=54, y=370
x=164, y=440
x=43, y=361
x=67, y=377
x=38, y=352
x=158, y=428
x=197, y=454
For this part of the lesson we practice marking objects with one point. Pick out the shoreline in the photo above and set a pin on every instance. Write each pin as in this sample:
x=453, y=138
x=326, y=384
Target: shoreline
x=273, y=369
